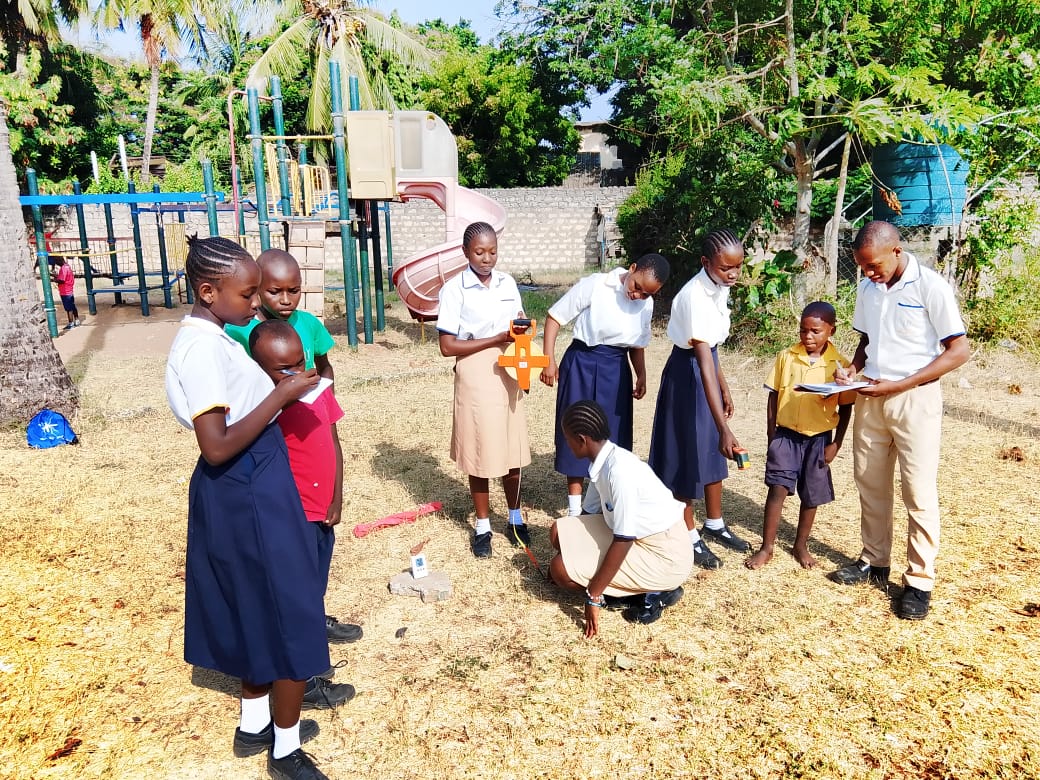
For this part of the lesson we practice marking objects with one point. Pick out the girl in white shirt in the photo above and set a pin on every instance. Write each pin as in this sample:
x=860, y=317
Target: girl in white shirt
x=630, y=550
x=253, y=599
x=611, y=313
x=691, y=440
x=489, y=424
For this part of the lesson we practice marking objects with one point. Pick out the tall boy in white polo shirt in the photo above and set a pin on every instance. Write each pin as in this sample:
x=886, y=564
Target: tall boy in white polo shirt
x=911, y=334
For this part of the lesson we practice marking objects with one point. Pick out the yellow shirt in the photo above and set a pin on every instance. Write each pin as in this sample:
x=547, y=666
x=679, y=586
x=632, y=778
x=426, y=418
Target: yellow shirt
x=807, y=413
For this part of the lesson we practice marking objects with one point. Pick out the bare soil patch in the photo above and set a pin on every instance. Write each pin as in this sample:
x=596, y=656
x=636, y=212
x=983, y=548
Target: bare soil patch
x=767, y=674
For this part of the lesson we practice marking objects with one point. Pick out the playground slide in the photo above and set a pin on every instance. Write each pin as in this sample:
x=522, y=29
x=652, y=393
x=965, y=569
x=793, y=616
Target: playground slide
x=419, y=278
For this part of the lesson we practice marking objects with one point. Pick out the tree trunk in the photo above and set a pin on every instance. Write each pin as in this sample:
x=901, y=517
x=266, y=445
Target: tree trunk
x=833, y=234
x=149, y=125
x=803, y=170
x=32, y=376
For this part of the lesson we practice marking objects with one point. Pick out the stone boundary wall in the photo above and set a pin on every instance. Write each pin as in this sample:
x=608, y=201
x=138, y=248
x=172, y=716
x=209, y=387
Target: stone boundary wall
x=548, y=230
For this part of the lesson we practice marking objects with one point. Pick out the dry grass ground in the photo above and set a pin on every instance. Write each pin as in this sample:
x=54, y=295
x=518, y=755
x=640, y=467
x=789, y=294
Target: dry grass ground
x=768, y=674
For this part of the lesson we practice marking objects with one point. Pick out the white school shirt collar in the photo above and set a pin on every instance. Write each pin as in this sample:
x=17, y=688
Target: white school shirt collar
x=601, y=459
x=713, y=288
x=470, y=279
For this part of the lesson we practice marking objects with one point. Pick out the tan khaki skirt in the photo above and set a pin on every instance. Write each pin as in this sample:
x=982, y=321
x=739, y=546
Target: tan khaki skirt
x=489, y=424
x=662, y=561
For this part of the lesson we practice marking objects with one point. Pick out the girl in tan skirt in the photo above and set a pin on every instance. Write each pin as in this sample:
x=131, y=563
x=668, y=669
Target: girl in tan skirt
x=631, y=550
x=489, y=425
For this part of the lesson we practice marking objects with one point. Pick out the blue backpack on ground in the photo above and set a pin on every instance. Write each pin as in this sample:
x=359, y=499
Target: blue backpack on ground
x=49, y=429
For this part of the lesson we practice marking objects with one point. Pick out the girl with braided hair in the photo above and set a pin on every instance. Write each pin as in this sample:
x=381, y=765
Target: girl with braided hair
x=253, y=604
x=691, y=440
x=630, y=550
x=489, y=424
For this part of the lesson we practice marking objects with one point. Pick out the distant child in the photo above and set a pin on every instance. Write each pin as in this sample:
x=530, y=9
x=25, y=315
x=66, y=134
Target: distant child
x=280, y=294
x=253, y=602
x=691, y=439
x=800, y=426
x=489, y=423
x=631, y=549
x=66, y=282
x=280, y=291
x=911, y=335
x=315, y=455
x=611, y=313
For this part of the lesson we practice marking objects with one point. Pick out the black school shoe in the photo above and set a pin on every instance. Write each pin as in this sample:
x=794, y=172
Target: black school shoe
x=726, y=538
x=295, y=766
x=339, y=633
x=481, y=544
x=704, y=557
x=914, y=603
x=861, y=571
x=653, y=604
x=324, y=695
x=247, y=744
x=518, y=534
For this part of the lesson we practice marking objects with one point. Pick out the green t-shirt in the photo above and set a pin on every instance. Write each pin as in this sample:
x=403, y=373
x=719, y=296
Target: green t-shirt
x=316, y=340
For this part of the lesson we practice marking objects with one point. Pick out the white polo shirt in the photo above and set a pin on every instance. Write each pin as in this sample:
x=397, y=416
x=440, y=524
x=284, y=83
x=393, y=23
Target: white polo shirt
x=603, y=313
x=634, y=502
x=906, y=323
x=700, y=311
x=207, y=369
x=469, y=310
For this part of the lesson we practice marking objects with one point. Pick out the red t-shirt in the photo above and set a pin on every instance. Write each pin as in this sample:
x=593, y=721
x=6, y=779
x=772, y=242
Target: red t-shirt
x=66, y=280
x=312, y=454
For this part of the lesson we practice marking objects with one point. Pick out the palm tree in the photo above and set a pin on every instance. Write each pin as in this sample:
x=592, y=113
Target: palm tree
x=163, y=25
x=321, y=30
x=32, y=375
x=25, y=21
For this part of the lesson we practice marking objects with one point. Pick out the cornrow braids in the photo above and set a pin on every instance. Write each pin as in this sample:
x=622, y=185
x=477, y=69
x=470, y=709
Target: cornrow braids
x=268, y=330
x=718, y=240
x=477, y=229
x=657, y=265
x=586, y=418
x=211, y=259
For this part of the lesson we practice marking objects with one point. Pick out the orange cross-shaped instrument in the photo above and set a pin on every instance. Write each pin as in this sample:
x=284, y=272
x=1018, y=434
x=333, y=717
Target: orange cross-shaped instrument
x=521, y=356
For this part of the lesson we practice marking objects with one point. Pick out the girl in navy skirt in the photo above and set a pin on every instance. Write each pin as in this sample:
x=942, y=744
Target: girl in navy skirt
x=691, y=440
x=611, y=313
x=253, y=602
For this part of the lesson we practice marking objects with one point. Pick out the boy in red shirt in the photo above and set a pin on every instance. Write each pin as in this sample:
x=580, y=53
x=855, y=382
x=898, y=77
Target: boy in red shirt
x=66, y=282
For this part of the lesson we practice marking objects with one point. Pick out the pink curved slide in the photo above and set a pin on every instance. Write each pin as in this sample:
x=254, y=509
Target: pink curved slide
x=419, y=278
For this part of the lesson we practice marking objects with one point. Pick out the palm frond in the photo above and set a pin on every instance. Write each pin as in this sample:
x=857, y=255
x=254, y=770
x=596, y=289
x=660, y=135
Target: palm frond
x=285, y=55
x=397, y=43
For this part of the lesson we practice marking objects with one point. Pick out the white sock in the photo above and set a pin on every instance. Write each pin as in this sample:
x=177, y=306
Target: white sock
x=483, y=526
x=694, y=535
x=255, y=714
x=716, y=524
x=286, y=740
x=574, y=505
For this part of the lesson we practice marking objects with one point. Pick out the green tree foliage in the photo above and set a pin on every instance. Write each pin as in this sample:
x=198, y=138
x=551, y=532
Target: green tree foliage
x=507, y=133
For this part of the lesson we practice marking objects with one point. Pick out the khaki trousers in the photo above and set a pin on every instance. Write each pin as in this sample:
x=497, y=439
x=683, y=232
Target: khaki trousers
x=904, y=428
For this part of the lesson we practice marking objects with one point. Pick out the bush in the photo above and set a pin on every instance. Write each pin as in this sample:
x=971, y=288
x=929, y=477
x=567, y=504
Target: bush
x=1013, y=310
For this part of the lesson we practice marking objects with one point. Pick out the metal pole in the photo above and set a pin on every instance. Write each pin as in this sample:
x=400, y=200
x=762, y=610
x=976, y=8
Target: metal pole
x=189, y=296
x=282, y=149
x=113, y=258
x=389, y=246
x=211, y=198
x=42, y=257
x=239, y=211
x=164, y=265
x=257, y=145
x=362, y=212
x=84, y=245
x=142, y=283
x=339, y=146
x=377, y=264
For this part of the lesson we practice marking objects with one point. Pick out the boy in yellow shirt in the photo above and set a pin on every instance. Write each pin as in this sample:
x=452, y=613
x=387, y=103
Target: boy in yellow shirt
x=800, y=427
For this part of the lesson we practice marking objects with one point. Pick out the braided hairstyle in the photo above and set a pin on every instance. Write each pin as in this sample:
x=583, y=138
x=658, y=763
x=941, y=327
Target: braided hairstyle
x=477, y=229
x=586, y=418
x=211, y=259
x=718, y=240
x=656, y=265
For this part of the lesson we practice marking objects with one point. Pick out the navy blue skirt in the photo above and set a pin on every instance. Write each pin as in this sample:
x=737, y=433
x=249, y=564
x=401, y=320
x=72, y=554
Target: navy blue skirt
x=684, y=446
x=253, y=593
x=599, y=374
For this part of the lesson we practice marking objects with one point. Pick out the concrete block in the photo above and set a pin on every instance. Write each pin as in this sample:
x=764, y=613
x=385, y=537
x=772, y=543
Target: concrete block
x=435, y=586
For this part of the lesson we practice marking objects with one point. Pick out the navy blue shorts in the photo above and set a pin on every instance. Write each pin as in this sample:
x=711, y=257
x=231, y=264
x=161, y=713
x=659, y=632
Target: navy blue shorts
x=69, y=302
x=796, y=462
